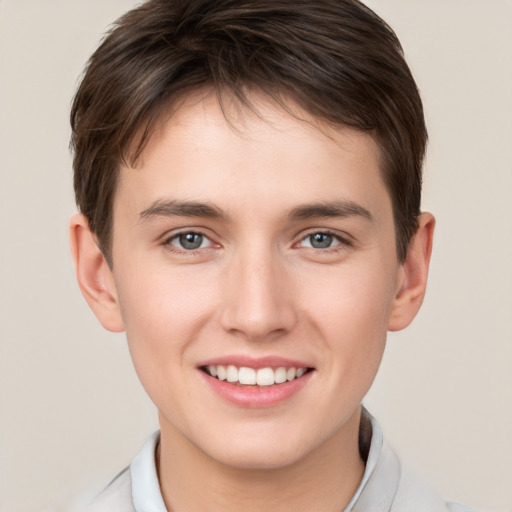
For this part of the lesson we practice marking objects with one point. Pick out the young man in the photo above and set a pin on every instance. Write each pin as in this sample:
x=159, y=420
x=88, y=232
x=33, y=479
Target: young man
x=248, y=175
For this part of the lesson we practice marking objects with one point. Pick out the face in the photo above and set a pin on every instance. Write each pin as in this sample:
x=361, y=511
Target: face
x=256, y=272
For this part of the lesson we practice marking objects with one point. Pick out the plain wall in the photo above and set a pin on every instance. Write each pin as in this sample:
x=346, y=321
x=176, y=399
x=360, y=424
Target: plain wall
x=72, y=413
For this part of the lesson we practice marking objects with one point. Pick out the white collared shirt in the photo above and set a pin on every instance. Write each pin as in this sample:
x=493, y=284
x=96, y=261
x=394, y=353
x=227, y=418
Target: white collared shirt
x=386, y=486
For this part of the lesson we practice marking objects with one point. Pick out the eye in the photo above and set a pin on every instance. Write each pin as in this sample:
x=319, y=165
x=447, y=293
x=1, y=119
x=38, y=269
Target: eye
x=320, y=240
x=190, y=241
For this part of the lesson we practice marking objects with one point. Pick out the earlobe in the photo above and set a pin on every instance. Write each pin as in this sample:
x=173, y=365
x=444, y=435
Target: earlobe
x=414, y=273
x=94, y=275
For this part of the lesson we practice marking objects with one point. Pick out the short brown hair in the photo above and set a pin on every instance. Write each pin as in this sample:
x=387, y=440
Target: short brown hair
x=336, y=59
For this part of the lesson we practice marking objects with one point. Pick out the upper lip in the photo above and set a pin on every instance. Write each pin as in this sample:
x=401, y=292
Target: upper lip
x=239, y=361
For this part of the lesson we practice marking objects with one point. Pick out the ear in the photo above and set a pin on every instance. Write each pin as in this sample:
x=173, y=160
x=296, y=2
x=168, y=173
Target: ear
x=94, y=275
x=414, y=273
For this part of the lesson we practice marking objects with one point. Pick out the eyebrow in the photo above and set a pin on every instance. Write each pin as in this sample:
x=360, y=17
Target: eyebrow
x=172, y=208
x=331, y=209
x=334, y=209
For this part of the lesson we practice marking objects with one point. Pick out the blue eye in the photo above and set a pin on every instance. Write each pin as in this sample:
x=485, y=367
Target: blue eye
x=190, y=241
x=320, y=240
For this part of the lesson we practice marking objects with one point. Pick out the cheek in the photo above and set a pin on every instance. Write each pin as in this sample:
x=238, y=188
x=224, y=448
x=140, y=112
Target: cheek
x=164, y=299
x=351, y=308
x=163, y=311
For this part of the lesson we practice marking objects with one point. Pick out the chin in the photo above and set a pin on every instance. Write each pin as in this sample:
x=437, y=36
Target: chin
x=253, y=452
x=252, y=460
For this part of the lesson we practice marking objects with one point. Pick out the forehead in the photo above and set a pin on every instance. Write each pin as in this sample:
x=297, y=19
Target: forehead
x=204, y=148
x=200, y=110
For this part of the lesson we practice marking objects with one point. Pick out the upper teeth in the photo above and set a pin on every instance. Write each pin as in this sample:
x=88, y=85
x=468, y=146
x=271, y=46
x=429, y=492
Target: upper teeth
x=249, y=376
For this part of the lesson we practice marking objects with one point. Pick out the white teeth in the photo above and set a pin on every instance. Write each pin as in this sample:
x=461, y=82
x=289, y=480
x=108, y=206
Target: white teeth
x=265, y=377
x=250, y=377
x=291, y=373
x=232, y=373
x=247, y=376
x=221, y=372
x=280, y=375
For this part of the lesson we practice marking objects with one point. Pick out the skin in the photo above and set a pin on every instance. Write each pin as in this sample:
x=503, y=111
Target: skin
x=255, y=287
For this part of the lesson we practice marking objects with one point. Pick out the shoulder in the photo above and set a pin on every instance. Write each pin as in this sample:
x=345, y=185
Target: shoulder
x=116, y=497
x=136, y=488
x=390, y=486
x=414, y=494
x=458, y=507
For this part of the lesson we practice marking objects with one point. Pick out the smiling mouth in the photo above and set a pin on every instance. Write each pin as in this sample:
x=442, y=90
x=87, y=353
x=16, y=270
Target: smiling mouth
x=245, y=376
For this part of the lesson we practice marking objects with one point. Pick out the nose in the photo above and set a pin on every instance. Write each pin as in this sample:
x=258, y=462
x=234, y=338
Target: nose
x=257, y=301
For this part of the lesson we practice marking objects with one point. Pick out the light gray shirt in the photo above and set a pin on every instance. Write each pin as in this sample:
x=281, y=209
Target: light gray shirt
x=386, y=485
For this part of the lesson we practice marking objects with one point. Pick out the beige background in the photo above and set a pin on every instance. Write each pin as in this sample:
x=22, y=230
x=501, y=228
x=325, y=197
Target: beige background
x=72, y=411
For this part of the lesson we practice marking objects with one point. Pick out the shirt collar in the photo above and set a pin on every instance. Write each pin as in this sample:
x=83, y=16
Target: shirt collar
x=381, y=476
x=375, y=492
x=146, y=493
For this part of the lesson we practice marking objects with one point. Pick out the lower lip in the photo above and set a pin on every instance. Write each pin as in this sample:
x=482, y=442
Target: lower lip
x=256, y=396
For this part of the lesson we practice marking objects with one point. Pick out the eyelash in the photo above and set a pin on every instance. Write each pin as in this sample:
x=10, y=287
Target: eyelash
x=342, y=243
x=167, y=243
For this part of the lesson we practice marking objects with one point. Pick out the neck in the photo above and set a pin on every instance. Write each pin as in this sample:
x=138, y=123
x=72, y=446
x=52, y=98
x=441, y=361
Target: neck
x=324, y=480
